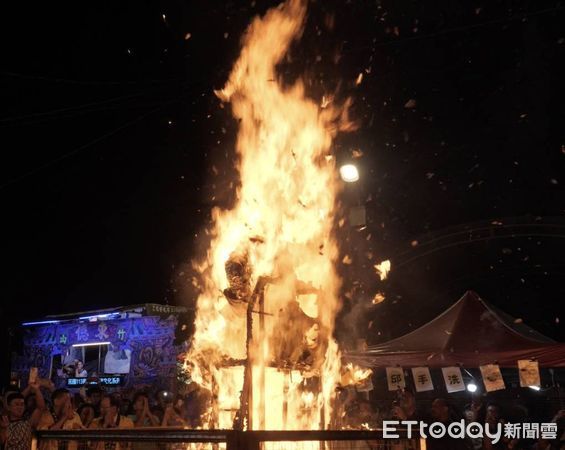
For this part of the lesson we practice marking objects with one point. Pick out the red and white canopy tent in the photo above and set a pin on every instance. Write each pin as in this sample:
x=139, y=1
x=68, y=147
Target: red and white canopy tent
x=470, y=333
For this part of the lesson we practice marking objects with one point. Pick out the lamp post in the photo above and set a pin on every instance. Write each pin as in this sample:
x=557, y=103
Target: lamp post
x=349, y=173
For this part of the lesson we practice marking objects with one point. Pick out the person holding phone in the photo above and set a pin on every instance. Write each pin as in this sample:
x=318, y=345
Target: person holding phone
x=15, y=429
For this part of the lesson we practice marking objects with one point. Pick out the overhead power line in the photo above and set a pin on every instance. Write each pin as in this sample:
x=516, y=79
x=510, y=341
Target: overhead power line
x=85, y=146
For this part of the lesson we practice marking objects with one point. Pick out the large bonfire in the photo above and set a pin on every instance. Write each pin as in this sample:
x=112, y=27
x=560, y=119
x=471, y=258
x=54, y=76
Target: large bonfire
x=263, y=333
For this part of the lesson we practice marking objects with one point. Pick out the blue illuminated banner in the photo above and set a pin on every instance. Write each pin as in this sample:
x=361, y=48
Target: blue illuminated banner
x=109, y=380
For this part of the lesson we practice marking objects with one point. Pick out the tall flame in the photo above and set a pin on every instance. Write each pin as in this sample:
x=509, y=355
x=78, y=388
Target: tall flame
x=270, y=272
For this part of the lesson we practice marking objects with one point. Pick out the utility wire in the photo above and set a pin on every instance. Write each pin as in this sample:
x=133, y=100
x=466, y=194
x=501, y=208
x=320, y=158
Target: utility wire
x=24, y=76
x=85, y=106
x=69, y=108
x=85, y=146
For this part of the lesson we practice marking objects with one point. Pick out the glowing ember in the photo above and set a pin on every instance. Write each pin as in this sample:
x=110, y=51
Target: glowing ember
x=263, y=331
x=378, y=298
x=383, y=269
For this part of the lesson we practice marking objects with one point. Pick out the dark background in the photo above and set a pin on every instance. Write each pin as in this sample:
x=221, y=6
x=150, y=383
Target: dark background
x=109, y=130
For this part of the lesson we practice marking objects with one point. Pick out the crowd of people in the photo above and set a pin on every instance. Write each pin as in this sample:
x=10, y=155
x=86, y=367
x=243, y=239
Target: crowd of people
x=40, y=406
x=359, y=411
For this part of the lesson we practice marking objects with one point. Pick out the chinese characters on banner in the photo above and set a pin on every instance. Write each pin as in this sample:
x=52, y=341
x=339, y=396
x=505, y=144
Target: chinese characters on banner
x=492, y=377
x=453, y=379
x=529, y=373
x=422, y=379
x=395, y=378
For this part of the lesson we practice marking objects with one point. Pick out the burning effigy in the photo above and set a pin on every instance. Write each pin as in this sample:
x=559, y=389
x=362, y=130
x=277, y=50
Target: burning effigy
x=263, y=340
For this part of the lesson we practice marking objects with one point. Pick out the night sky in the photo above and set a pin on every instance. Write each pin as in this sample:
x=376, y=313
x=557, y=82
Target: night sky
x=110, y=128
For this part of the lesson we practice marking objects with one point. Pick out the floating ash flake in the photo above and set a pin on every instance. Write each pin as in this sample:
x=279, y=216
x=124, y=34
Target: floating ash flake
x=414, y=243
x=518, y=320
x=383, y=269
x=356, y=153
x=187, y=36
x=359, y=79
x=553, y=181
x=347, y=260
x=410, y=104
x=378, y=298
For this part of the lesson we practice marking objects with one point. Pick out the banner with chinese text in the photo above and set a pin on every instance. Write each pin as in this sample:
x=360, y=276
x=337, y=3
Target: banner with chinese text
x=453, y=379
x=422, y=379
x=395, y=378
x=529, y=373
x=492, y=377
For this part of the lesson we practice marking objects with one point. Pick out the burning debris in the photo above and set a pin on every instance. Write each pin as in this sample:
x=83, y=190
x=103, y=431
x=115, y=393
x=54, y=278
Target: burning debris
x=382, y=269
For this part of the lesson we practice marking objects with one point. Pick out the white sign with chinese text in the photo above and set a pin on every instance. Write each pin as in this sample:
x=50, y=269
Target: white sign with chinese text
x=453, y=379
x=395, y=378
x=422, y=379
x=492, y=377
x=529, y=373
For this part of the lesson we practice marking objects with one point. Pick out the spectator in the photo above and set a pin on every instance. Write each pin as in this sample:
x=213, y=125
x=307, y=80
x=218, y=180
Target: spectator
x=492, y=419
x=197, y=405
x=158, y=412
x=86, y=413
x=125, y=406
x=142, y=416
x=93, y=397
x=110, y=416
x=15, y=429
x=361, y=414
x=80, y=371
x=471, y=416
x=405, y=408
x=61, y=416
x=442, y=412
x=172, y=416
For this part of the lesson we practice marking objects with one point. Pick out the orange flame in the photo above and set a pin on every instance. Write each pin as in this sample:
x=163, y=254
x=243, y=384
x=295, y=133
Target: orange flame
x=272, y=257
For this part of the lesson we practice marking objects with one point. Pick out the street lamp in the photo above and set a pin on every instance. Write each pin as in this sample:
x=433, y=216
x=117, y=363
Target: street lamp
x=472, y=387
x=349, y=173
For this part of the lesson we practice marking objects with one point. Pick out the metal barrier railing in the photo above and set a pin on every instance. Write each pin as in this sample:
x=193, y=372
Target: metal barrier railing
x=180, y=438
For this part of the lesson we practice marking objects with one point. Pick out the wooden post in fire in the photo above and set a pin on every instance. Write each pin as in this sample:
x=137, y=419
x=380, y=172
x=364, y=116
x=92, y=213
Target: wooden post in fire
x=249, y=366
x=259, y=294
